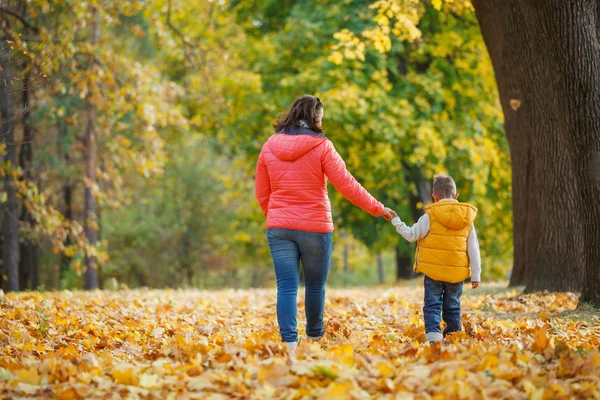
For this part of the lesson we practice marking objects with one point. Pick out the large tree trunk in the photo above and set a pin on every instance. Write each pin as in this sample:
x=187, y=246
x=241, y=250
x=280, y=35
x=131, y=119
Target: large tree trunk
x=10, y=223
x=573, y=57
x=29, y=267
x=548, y=234
x=90, y=279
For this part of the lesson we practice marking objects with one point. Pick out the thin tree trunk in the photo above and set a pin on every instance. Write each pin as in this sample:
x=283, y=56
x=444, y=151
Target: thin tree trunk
x=2, y=274
x=301, y=275
x=404, y=265
x=90, y=280
x=422, y=194
x=346, y=253
x=65, y=261
x=99, y=239
x=346, y=265
x=67, y=193
x=548, y=235
x=380, y=272
x=29, y=260
x=10, y=225
x=186, y=262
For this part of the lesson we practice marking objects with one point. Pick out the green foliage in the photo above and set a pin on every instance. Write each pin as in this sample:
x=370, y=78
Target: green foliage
x=185, y=92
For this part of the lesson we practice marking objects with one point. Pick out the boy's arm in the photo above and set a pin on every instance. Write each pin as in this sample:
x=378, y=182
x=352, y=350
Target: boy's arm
x=415, y=232
x=474, y=255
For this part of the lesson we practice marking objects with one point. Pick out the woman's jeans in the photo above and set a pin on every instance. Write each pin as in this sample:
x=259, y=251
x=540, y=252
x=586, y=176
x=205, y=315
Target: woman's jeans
x=441, y=298
x=288, y=248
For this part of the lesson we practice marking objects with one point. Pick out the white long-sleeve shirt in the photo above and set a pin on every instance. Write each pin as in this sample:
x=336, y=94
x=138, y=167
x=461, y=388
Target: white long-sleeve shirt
x=421, y=229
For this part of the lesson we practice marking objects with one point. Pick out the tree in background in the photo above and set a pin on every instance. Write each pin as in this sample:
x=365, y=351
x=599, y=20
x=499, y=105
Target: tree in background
x=398, y=114
x=551, y=126
x=10, y=215
x=112, y=98
x=183, y=94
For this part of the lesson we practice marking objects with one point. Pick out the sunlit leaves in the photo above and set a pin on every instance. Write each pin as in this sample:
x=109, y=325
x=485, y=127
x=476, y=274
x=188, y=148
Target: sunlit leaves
x=449, y=116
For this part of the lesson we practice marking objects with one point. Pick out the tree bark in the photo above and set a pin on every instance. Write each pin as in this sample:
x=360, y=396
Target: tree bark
x=29, y=267
x=10, y=223
x=573, y=57
x=548, y=235
x=90, y=280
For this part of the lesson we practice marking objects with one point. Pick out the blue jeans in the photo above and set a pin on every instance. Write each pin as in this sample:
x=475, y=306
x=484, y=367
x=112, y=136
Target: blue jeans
x=441, y=298
x=288, y=248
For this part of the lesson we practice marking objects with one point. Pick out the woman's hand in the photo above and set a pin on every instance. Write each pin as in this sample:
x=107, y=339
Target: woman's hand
x=389, y=214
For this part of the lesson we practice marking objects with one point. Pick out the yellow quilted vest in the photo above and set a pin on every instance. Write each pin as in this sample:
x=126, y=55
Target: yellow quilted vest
x=442, y=254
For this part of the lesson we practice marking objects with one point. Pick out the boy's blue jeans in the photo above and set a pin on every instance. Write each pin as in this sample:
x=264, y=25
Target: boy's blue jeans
x=288, y=248
x=441, y=298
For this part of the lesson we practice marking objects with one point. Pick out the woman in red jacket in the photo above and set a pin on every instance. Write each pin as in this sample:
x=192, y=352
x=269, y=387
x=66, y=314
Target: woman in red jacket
x=291, y=187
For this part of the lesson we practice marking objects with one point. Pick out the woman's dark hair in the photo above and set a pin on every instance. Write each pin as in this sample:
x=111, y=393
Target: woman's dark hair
x=305, y=108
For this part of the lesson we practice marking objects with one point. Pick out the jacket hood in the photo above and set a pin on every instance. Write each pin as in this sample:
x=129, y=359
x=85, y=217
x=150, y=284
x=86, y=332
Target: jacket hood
x=289, y=147
x=453, y=215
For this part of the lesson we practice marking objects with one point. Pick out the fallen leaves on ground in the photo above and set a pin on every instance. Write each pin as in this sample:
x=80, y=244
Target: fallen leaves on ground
x=214, y=345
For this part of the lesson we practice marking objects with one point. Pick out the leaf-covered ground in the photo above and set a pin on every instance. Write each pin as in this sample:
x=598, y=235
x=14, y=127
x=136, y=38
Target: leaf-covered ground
x=196, y=344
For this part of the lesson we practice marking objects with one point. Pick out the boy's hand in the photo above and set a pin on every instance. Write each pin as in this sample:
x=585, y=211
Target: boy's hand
x=389, y=214
x=474, y=285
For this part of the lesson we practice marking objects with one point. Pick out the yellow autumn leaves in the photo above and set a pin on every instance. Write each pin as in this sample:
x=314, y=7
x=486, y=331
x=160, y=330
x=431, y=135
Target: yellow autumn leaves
x=217, y=345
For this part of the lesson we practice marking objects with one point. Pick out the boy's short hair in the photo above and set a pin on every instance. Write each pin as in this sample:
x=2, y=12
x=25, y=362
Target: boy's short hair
x=444, y=186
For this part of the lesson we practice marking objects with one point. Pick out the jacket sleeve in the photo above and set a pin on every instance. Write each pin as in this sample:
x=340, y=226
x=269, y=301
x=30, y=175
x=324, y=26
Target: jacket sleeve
x=262, y=188
x=474, y=255
x=335, y=169
x=416, y=232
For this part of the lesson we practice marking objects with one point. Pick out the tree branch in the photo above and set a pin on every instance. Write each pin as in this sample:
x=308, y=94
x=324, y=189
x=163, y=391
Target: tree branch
x=7, y=10
x=175, y=30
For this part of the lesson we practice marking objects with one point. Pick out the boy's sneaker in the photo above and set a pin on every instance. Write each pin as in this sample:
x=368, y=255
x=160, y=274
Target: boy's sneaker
x=291, y=346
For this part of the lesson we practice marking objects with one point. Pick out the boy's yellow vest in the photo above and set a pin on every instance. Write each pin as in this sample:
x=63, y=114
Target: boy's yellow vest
x=442, y=254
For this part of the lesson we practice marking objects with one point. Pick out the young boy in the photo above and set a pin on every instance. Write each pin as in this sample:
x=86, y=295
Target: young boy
x=447, y=246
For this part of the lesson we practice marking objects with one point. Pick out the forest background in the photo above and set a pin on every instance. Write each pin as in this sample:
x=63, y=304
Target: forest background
x=131, y=131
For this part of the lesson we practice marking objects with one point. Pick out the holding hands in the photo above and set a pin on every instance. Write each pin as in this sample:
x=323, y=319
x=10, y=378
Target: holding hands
x=389, y=214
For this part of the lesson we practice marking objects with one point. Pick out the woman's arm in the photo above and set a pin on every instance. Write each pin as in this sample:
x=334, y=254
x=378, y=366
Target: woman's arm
x=262, y=188
x=335, y=169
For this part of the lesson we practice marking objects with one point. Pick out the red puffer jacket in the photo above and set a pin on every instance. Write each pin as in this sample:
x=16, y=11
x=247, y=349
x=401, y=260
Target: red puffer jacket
x=291, y=182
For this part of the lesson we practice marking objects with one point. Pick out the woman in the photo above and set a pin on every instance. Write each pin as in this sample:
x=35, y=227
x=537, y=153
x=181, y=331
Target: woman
x=291, y=187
